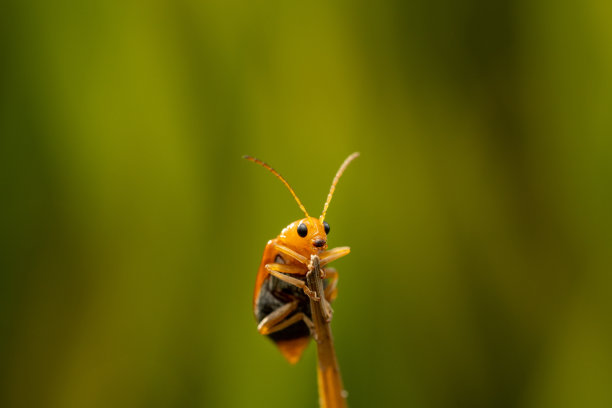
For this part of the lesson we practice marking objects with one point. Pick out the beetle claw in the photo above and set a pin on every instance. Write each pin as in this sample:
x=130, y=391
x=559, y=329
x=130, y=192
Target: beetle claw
x=312, y=294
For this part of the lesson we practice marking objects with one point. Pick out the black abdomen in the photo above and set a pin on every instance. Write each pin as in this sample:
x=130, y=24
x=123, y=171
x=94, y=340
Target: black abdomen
x=275, y=293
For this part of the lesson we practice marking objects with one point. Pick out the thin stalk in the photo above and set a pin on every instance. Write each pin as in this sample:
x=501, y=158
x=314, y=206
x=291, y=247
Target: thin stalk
x=331, y=390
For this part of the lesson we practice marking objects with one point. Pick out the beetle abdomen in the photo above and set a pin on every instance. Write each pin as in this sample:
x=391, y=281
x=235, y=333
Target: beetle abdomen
x=275, y=293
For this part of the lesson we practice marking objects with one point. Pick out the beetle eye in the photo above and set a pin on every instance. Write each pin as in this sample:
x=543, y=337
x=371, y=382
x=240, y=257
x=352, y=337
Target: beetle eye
x=302, y=230
x=326, y=226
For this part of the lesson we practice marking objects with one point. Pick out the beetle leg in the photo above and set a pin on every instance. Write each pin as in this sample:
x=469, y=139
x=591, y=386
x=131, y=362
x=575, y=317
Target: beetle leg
x=277, y=320
x=278, y=315
x=330, y=293
x=284, y=268
x=331, y=290
x=299, y=283
x=328, y=312
x=290, y=252
x=296, y=318
x=293, y=320
x=333, y=254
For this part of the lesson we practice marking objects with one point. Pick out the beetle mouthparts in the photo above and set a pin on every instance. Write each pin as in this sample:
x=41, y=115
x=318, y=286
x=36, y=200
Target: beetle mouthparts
x=319, y=243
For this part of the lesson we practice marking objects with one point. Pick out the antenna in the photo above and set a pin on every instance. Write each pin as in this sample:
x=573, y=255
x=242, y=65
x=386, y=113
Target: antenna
x=347, y=161
x=276, y=173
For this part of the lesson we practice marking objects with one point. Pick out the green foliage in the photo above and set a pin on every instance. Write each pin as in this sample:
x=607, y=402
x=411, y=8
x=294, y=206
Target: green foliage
x=478, y=214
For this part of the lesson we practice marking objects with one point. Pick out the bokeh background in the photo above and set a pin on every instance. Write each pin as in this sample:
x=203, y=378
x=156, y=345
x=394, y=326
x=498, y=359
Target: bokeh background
x=479, y=213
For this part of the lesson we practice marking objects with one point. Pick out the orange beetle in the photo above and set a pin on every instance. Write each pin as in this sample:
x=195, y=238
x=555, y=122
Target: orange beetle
x=281, y=301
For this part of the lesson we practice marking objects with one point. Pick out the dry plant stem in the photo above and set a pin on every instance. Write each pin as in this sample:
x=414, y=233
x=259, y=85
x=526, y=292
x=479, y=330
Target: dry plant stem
x=331, y=390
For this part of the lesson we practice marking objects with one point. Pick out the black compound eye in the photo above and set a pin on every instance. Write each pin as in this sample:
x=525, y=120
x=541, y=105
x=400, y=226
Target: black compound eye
x=302, y=230
x=326, y=226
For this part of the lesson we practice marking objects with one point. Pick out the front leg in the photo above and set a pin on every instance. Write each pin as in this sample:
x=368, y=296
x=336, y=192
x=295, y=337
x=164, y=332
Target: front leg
x=285, y=268
x=333, y=254
x=296, y=282
x=291, y=253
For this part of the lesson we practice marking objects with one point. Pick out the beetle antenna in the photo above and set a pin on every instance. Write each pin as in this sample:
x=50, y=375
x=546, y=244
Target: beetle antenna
x=347, y=161
x=277, y=174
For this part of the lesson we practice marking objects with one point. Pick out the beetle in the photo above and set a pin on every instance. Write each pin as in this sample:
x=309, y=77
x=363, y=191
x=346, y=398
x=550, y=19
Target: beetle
x=281, y=300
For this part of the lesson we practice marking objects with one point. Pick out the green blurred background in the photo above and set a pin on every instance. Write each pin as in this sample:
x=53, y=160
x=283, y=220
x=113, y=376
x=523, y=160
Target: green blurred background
x=479, y=213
